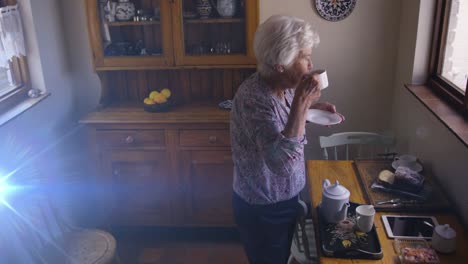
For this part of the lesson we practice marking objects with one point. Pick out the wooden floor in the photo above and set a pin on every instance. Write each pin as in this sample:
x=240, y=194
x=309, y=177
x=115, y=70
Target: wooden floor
x=179, y=246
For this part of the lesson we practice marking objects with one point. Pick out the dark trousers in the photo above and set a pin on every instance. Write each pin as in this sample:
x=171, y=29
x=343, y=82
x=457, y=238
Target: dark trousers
x=266, y=230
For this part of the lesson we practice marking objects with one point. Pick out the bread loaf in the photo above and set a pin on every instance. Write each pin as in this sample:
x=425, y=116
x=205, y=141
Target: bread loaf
x=387, y=176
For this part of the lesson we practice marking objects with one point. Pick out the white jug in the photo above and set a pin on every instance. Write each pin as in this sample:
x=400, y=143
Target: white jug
x=335, y=202
x=225, y=8
x=444, y=239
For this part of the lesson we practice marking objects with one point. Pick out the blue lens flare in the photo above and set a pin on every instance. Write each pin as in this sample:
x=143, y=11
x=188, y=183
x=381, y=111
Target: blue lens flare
x=6, y=191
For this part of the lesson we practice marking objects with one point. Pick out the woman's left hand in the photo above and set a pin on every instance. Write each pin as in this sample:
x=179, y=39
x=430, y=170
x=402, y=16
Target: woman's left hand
x=327, y=107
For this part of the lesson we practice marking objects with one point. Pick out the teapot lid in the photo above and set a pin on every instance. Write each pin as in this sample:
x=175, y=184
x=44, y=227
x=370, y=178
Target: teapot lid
x=445, y=231
x=336, y=189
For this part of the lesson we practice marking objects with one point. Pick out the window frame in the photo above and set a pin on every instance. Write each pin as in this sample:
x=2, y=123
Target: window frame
x=20, y=93
x=19, y=69
x=436, y=82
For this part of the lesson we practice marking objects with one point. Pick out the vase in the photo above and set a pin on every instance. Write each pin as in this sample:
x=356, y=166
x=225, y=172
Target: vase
x=109, y=11
x=203, y=8
x=125, y=10
x=226, y=8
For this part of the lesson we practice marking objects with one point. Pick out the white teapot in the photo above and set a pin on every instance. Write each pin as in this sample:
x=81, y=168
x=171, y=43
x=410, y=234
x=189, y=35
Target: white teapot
x=335, y=202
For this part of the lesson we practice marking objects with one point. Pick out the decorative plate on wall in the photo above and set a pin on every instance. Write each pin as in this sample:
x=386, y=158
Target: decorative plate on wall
x=335, y=10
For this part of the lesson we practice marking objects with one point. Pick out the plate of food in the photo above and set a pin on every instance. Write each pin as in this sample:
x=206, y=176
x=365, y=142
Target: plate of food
x=158, y=101
x=412, y=251
x=322, y=117
x=403, y=182
x=403, y=178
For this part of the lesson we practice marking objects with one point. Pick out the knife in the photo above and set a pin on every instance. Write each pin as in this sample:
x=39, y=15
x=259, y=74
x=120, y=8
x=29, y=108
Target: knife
x=398, y=201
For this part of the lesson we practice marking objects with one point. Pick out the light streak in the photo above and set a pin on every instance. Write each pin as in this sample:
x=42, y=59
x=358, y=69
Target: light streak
x=25, y=185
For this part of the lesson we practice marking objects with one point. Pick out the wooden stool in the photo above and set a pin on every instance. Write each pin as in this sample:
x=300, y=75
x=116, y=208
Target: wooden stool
x=90, y=246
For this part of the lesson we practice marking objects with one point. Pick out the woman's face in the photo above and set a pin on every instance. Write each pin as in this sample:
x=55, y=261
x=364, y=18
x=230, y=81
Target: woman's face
x=300, y=67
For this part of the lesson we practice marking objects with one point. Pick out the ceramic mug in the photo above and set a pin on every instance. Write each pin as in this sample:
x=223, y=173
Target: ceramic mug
x=406, y=160
x=365, y=217
x=322, y=78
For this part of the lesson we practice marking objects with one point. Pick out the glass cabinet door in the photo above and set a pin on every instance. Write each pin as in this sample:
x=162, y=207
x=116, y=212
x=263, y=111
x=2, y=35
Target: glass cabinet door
x=214, y=32
x=131, y=33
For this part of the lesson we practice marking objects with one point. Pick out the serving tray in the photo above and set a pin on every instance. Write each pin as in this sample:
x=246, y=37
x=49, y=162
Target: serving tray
x=343, y=240
x=368, y=170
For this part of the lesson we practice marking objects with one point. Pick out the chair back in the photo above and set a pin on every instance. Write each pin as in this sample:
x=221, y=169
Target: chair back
x=356, y=145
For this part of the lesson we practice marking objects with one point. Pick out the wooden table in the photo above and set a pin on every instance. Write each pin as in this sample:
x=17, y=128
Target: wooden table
x=343, y=171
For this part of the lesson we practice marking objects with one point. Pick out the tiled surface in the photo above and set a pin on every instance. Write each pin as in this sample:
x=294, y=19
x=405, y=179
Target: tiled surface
x=194, y=246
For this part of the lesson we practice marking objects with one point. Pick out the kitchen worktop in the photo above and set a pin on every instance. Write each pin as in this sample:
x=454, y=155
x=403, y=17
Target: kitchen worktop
x=133, y=113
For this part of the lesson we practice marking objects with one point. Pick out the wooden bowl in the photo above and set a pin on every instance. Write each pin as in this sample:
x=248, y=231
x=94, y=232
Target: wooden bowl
x=155, y=108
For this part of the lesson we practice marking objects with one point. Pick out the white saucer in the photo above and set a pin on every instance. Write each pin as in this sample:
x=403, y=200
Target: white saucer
x=323, y=117
x=416, y=166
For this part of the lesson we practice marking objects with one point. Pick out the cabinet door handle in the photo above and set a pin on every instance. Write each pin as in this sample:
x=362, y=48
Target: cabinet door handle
x=212, y=139
x=129, y=139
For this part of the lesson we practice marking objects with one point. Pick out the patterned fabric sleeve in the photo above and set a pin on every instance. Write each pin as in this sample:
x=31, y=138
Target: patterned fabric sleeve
x=280, y=153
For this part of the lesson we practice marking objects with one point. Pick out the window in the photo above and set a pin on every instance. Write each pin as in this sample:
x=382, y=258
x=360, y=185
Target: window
x=13, y=84
x=449, y=61
x=14, y=80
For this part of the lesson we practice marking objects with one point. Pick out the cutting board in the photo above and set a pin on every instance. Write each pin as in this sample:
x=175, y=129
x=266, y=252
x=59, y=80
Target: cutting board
x=367, y=172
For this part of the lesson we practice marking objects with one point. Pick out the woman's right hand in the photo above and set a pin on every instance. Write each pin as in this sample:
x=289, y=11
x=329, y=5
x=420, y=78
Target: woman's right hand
x=308, y=92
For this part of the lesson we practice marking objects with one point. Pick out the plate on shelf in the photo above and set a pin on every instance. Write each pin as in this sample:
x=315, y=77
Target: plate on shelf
x=322, y=117
x=415, y=167
x=156, y=108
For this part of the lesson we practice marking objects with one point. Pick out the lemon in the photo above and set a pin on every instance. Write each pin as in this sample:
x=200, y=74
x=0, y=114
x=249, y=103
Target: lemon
x=153, y=94
x=160, y=98
x=166, y=92
x=148, y=101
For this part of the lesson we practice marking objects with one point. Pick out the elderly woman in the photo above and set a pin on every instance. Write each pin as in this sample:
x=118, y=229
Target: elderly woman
x=268, y=120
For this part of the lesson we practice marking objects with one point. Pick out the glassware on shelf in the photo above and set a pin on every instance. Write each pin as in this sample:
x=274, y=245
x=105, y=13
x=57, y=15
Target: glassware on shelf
x=221, y=47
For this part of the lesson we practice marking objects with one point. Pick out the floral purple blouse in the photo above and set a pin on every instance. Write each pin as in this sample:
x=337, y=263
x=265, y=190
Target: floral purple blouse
x=268, y=167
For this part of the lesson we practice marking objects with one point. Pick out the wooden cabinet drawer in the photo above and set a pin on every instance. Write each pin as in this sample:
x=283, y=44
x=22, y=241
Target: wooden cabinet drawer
x=203, y=138
x=130, y=138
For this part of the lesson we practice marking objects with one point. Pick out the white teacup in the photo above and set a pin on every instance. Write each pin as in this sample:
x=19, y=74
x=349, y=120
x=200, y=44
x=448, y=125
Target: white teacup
x=406, y=160
x=322, y=78
x=365, y=217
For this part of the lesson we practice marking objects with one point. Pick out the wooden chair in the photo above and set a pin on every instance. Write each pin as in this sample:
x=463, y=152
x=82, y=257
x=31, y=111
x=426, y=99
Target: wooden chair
x=52, y=240
x=357, y=145
x=303, y=247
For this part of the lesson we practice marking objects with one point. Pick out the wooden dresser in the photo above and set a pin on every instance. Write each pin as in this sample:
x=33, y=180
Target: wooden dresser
x=171, y=168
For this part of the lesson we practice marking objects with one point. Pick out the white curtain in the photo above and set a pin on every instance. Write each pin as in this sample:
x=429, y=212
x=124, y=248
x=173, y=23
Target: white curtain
x=11, y=34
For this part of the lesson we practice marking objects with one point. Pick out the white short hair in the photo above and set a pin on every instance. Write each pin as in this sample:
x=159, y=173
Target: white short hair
x=279, y=40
